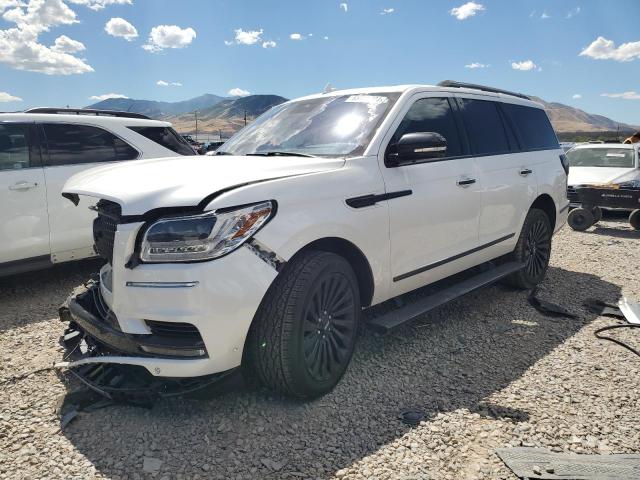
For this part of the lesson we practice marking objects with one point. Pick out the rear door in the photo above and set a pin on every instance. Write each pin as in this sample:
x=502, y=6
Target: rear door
x=72, y=148
x=434, y=225
x=24, y=227
x=507, y=177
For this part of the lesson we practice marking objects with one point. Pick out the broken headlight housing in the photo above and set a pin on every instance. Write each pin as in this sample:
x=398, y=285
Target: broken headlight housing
x=203, y=237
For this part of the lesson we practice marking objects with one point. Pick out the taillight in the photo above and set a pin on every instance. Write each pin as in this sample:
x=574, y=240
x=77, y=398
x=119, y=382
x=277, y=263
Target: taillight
x=565, y=163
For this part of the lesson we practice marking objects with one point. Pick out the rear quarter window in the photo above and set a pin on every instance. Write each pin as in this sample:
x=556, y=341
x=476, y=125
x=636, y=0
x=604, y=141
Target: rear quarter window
x=533, y=127
x=166, y=137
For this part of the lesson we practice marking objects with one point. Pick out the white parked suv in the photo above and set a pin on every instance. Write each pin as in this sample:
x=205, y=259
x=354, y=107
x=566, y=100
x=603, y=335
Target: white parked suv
x=265, y=255
x=39, y=150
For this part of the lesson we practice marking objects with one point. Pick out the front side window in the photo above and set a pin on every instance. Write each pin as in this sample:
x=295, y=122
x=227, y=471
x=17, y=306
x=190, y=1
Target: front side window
x=485, y=130
x=166, y=137
x=14, y=147
x=73, y=144
x=601, y=157
x=329, y=126
x=432, y=115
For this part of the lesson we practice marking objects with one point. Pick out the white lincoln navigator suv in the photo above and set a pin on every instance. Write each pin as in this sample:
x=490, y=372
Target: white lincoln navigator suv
x=265, y=254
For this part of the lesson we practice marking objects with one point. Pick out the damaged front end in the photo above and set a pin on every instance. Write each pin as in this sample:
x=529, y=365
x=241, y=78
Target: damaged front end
x=103, y=357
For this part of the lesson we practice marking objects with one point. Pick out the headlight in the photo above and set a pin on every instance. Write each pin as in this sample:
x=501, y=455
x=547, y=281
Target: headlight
x=203, y=237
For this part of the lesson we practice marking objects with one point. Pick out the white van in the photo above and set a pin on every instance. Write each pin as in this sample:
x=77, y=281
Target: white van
x=265, y=255
x=39, y=150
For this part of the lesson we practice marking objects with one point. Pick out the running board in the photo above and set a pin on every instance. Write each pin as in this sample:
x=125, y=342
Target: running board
x=388, y=321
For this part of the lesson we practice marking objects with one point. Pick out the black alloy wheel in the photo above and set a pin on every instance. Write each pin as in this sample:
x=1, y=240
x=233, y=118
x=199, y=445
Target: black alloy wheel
x=533, y=250
x=329, y=326
x=538, y=248
x=304, y=332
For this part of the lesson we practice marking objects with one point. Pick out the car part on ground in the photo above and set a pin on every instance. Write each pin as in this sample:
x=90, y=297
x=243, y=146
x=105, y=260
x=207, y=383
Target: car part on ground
x=548, y=308
x=627, y=310
x=528, y=462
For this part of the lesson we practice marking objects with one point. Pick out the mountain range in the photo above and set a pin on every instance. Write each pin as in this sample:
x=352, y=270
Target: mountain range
x=224, y=116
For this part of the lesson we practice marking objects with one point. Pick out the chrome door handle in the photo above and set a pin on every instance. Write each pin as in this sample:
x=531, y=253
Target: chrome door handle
x=526, y=171
x=23, y=186
x=466, y=182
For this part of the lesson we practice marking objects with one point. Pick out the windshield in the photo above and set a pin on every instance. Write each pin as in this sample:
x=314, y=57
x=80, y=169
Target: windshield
x=601, y=157
x=328, y=126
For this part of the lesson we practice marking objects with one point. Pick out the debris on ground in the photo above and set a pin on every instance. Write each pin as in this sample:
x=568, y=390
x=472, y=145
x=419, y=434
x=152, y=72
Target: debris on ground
x=548, y=308
x=540, y=463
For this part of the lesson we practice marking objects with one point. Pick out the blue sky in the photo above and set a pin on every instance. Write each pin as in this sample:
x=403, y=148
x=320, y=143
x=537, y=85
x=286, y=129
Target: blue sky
x=214, y=46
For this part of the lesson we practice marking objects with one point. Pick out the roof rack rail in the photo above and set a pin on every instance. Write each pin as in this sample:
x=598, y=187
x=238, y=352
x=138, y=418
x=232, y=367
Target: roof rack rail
x=88, y=111
x=454, y=84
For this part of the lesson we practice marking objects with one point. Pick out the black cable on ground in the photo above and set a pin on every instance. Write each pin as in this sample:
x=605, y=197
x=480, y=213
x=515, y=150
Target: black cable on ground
x=598, y=332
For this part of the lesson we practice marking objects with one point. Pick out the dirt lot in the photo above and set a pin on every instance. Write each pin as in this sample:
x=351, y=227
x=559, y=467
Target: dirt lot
x=488, y=370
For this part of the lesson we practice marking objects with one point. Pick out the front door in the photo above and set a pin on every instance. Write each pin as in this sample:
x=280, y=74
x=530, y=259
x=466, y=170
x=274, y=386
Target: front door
x=24, y=225
x=434, y=230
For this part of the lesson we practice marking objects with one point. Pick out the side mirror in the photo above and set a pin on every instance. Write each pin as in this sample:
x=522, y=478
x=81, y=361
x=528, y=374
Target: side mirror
x=413, y=147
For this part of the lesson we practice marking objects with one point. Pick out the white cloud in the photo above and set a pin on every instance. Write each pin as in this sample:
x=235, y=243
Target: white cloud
x=296, y=36
x=630, y=95
x=545, y=15
x=325, y=37
x=106, y=96
x=525, y=66
x=344, y=7
x=269, y=44
x=119, y=27
x=477, y=65
x=169, y=36
x=467, y=10
x=20, y=47
x=577, y=96
x=238, y=92
x=64, y=44
x=5, y=97
x=100, y=4
x=573, y=13
x=387, y=11
x=603, y=49
x=246, y=37
x=162, y=83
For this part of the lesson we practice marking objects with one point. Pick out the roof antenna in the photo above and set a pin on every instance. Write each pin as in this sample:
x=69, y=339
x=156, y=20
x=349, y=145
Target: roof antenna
x=328, y=88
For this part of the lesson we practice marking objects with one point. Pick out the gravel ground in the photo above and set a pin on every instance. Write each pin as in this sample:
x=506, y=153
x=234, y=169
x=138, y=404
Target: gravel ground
x=488, y=370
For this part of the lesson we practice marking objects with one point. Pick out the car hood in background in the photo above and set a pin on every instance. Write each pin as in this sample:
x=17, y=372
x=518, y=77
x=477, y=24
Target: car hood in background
x=596, y=175
x=142, y=185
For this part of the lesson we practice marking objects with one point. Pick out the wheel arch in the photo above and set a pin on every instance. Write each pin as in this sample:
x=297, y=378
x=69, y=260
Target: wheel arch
x=545, y=203
x=352, y=254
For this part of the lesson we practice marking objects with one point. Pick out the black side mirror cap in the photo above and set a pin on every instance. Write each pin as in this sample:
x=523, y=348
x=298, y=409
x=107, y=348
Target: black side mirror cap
x=418, y=146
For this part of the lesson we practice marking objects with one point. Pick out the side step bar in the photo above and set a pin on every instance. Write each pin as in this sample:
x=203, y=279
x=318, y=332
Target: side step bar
x=388, y=321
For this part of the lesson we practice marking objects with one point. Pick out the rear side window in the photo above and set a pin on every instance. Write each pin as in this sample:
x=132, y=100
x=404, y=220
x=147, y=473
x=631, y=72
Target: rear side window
x=533, y=125
x=75, y=144
x=14, y=147
x=167, y=137
x=432, y=115
x=484, y=126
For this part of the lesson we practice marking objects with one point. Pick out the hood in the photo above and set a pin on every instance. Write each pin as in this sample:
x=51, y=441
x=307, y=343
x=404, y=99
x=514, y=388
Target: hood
x=596, y=175
x=142, y=185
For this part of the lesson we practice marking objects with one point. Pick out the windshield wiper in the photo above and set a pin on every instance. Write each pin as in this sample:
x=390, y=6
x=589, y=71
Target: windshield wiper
x=279, y=154
x=218, y=152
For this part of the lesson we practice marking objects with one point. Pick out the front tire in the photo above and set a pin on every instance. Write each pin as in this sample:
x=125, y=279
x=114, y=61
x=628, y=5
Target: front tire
x=304, y=332
x=533, y=250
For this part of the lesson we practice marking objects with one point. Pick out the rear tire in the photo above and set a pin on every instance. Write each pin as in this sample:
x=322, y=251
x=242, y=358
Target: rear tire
x=597, y=214
x=634, y=219
x=580, y=219
x=304, y=332
x=533, y=250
